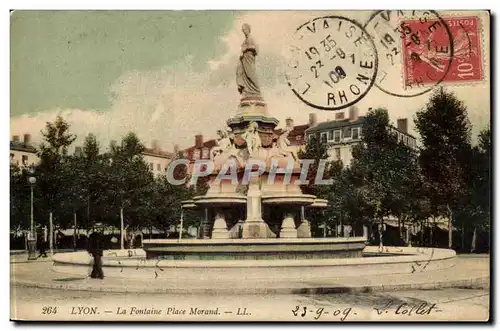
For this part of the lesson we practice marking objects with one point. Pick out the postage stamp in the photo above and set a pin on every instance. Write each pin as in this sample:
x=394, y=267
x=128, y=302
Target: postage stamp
x=400, y=44
x=426, y=62
x=249, y=166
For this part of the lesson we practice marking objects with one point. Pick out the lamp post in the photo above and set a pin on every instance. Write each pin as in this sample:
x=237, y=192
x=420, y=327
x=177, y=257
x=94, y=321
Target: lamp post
x=32, y=236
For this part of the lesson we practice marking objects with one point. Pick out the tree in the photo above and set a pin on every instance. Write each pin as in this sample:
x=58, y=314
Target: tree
x=128, y=180
x=19, y=198
x=317, y=150
x=445, y=134
x=383, y=172
x=49, y=172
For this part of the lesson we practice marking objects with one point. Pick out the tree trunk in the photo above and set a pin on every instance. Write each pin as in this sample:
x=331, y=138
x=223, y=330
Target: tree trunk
x=74, y=230
x=400, y=237
x=422, y=233
x=122, y=243
x=431, y=232
x=380, y=236
x=450, y=229
x=474, y=238
x=88, y=211
x=462, y=237
x=51, y=236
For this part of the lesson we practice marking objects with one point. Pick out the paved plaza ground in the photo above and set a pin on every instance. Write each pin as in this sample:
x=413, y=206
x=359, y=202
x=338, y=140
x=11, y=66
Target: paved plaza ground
x=36, y=291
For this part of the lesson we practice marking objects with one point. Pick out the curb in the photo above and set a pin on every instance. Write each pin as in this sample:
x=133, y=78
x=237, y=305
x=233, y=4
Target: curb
x=482, y=282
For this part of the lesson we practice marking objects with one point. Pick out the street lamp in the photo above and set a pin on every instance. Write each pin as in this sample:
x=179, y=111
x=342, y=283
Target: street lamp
x=32, y=237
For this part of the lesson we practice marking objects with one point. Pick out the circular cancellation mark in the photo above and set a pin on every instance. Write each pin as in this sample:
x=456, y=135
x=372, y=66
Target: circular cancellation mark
x=415, y=49
x=333, y=63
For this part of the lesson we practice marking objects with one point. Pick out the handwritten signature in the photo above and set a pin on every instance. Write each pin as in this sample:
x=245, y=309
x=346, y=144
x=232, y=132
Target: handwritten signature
x=423, y=308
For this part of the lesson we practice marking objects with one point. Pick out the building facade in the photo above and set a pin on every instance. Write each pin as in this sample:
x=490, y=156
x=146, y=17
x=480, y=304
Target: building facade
x=157, y=159
x=342, y=134
x=23, y=153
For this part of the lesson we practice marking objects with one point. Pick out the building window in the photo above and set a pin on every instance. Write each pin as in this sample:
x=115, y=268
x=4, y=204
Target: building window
x=324, y=136
x=336, y=136
x=330, y=135
x=347, y=133
x=310, y=137
x=355, y=133
x=337, y=153
x=205, y=153
x=151, y=166
x=196, y=154
x=25, y=160
x=11, y=156
x=158, y=167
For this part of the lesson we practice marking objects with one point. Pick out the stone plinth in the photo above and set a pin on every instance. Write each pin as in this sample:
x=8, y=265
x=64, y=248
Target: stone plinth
x=304, y=230
x=220, y=228
x=288, y=228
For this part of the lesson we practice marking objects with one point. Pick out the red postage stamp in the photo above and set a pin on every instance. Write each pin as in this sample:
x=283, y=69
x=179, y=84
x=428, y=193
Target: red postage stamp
x=430, y=58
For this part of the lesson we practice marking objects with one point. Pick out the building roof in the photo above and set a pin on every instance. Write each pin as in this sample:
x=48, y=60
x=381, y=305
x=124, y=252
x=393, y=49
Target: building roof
x=22, y=147
x=337, y=124
x=188, y=152
x=157, y=153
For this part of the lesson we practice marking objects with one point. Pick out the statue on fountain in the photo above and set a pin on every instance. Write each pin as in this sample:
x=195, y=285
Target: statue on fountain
x=224, y=143
x=283, y=144
x=246, y=76
x=252, y=138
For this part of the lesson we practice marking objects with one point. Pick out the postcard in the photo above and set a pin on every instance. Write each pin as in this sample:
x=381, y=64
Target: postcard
x=278, y=166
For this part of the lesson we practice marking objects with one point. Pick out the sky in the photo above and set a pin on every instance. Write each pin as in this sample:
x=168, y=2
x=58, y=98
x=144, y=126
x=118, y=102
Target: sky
x=169, y=75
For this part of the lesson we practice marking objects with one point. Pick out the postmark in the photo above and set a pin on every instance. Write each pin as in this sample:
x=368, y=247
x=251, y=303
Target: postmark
x=467, y=60
x=415, y=47
x=333, y=63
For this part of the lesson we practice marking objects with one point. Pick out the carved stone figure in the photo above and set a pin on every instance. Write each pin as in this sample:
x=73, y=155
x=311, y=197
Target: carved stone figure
x=252, y=138
x=224, y=143
x=246, y=77
x=283, y=144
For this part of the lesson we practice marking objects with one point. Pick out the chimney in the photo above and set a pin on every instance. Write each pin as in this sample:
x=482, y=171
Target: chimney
x=339, y=116
x=15, y=139
x=289, y=122
x=78, y=151
x=27, y=139
x=353, y=113
x=155, y=145
x=403, y=125
x=313, y=119
x=198, y=141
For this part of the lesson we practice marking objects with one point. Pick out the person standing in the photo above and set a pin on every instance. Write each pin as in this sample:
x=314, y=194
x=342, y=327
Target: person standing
x=43, y=243
x=95, y=248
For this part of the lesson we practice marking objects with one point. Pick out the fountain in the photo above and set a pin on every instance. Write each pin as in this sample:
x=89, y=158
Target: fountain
x=254, y=230
x=250, y=213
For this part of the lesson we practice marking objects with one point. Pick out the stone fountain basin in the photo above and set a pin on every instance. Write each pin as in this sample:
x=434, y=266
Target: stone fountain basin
x=392, y=260
x=220, y=199
x=288, y=199
x=254, y=249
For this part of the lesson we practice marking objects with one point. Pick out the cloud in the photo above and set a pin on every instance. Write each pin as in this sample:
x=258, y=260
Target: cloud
x=173, y=104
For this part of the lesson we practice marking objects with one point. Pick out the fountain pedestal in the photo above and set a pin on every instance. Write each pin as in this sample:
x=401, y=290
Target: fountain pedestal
x=254, y=226
x=304, y=229
x=220, y=228
x=288, y=227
